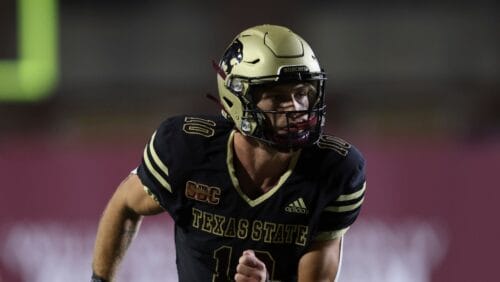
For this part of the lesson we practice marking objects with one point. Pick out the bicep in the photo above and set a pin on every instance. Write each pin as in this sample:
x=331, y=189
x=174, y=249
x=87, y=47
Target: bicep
x=321, y=261
x=130, y=195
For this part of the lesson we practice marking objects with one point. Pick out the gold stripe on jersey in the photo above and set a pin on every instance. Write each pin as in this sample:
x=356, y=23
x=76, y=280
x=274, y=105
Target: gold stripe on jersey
x=355, y=195
x=156, y=159
x=345, y=208
x=236, y=183
x=155, y=173
x=330, y=235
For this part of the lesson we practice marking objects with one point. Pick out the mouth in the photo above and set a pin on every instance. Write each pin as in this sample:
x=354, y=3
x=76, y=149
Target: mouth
x=298, y=126
x=290, y=132
x=291, y=129
x=291, y=138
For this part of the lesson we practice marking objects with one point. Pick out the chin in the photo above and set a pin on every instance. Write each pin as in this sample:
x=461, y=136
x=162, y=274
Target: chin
x=292, y=140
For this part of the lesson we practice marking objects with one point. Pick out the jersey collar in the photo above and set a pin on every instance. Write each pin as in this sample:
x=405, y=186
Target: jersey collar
x=236, y=183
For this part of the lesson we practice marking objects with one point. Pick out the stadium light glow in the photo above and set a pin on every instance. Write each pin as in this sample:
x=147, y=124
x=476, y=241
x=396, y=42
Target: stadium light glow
x=34, y=74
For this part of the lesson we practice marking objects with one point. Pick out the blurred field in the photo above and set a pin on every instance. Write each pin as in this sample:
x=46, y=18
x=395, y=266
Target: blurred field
x=414, y=85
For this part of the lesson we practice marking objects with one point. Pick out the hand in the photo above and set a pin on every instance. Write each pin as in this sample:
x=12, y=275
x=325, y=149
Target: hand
x=250, y=268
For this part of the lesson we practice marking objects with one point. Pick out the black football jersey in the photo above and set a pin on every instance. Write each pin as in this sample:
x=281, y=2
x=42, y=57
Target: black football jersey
x=188, y=169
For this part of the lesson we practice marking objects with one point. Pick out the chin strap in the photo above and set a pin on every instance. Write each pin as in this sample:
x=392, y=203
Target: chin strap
x=218, y=69
x=215, y=100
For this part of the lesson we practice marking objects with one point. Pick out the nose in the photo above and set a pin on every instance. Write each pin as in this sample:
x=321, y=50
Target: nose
x=300, y=103
x=295, y=103
x=295, y=108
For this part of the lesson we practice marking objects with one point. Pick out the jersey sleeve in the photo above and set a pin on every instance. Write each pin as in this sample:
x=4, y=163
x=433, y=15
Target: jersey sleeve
x=341, y=211
x=156, y=167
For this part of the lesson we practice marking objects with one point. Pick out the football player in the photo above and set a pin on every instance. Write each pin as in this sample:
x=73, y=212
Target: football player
x=259, y=193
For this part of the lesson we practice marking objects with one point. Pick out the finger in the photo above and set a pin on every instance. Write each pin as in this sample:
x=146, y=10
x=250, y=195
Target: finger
x=238, y=277
x=251, y=267
x=249, y=259
x=244, y=273
x=249, y=252
x=247, y=270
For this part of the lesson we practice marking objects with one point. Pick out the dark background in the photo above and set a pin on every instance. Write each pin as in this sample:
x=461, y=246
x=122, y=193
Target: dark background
x=414, y=84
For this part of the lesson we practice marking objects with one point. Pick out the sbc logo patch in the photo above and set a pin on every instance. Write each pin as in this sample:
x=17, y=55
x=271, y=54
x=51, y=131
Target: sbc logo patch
x=203, y=193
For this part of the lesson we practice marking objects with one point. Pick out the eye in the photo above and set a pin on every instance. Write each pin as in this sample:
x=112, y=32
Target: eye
x=279, y=97
x=300, y=94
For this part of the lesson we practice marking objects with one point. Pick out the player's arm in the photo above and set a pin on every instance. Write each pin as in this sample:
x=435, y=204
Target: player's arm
x=321, y=262
x=119, y=223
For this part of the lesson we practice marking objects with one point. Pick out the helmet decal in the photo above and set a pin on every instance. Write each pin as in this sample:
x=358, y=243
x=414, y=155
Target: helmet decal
x=232, y=56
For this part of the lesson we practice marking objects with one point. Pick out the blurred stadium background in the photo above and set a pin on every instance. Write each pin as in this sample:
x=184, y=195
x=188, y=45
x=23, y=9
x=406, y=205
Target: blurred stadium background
x=414, y=84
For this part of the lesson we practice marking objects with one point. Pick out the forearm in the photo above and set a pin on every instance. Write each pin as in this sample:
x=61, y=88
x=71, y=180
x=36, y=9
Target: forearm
x=319, y=275
x=321, y=262
x=116, y=230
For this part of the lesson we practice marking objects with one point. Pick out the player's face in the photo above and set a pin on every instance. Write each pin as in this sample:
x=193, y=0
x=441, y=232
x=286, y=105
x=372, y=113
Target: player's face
x=281, y=102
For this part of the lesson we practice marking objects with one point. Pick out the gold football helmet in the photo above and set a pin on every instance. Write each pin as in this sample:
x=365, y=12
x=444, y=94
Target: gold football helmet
x=270, y=54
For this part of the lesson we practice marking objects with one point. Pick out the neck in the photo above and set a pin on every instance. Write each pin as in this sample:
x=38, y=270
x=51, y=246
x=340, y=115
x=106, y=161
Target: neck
x=258, y=166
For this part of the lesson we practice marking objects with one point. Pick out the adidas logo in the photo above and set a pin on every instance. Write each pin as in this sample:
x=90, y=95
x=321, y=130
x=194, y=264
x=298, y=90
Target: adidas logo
x=297, y=206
